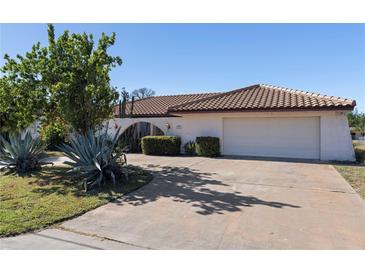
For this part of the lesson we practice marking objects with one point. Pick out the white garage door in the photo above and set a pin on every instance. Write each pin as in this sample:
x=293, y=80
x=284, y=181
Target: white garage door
x=272, y=137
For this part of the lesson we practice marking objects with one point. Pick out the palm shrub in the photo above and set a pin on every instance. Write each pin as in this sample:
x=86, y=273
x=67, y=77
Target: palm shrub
x=21, y=154
x=94, y=159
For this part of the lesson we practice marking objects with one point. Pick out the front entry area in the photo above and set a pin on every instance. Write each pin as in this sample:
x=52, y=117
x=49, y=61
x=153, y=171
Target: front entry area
x=130, y=139
x=288, y=137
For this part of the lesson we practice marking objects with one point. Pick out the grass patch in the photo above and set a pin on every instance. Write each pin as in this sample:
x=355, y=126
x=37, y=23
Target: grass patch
x=49, y=196
x=355, y=175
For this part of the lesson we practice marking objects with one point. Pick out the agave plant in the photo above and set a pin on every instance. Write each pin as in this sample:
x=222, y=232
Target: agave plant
x=93, y=158
x=21, y=154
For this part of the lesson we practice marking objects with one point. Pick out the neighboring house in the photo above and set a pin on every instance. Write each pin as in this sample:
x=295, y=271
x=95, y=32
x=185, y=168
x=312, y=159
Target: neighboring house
x=259, y=120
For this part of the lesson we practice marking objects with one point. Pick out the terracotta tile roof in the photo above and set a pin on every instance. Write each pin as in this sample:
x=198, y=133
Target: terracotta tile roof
x=258, y=97
x=158, y=105
x=265, y=97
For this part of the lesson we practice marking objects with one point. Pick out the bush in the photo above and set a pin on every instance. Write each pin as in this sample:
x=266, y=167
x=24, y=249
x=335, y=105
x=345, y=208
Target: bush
x=207, y=146
x=189, y=148
x=161, y=145
x=53, y=134
x=360, y=155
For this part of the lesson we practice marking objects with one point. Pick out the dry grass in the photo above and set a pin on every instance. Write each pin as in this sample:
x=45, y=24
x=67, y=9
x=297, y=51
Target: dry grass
x=359, y=144
x=355, y=175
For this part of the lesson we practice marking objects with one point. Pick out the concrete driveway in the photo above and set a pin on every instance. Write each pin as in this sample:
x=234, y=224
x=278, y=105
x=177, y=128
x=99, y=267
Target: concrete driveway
x=222, y=203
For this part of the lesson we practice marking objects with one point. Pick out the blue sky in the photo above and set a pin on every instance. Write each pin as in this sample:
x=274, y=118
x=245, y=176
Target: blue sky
x=188, y=58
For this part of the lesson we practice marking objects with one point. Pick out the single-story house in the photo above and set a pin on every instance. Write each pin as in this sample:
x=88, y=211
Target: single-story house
x=259, y=120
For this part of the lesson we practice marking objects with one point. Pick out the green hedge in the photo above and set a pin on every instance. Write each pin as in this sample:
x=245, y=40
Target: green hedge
x=207, y=146
x=189, y=148
x=161, y=145
x=360, y=155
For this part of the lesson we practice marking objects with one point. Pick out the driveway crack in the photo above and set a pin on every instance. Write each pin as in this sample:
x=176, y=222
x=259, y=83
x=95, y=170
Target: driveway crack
x=60, y=227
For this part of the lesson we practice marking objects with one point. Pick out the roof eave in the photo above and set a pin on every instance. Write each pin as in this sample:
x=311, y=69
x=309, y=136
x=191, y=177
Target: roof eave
x=147, y=116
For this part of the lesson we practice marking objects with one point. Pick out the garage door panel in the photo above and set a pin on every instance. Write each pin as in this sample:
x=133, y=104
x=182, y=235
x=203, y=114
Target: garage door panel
x=273, y=137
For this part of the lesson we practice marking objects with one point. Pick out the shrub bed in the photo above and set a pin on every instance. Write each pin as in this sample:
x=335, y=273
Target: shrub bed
x=207, y=146
x=161, y=145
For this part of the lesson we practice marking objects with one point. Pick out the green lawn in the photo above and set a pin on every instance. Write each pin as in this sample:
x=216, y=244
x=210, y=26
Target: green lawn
x=50, y=196
x=355, y=175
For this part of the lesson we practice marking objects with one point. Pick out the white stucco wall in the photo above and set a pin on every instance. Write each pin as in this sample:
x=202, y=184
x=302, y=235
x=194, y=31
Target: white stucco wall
x=160, y=122
x=32, y=129
x=335, y=138
x=336, y=142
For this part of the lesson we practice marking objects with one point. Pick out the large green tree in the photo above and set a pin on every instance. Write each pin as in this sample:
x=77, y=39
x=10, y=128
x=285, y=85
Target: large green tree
x=69, y=79
x=357, y=121
x=22, y=96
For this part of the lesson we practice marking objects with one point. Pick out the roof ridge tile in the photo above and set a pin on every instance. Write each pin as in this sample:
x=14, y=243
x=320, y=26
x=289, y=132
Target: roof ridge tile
x=186, y=94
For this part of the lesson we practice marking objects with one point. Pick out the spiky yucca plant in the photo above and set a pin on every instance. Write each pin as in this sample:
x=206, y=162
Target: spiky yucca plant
x=93, y=158
x=21, y=154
